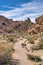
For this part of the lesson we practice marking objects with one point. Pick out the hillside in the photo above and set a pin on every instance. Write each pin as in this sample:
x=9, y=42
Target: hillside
x=9, y=26
x=21, y=42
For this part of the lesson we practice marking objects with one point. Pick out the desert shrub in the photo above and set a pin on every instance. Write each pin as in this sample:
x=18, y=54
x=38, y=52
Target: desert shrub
x=4, y=59
x=41, y=42
x=10, y=37
x=8, y=30
x=34, y=58
x=41, y=45
x=5, y=53
x=31, y=40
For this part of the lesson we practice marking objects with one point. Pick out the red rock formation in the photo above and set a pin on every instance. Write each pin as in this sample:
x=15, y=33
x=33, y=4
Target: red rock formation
x=22, y=26
x=39, y=20
x=37, y=27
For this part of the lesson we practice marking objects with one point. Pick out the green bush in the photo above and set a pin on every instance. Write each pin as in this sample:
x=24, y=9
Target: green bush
x=31, y=40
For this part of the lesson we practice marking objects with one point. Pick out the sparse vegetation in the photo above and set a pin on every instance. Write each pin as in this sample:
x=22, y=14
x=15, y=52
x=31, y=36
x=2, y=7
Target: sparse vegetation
x=5, y=52
x=34, y=58
x=41, y=43
x=30, y=39
x=11, y=37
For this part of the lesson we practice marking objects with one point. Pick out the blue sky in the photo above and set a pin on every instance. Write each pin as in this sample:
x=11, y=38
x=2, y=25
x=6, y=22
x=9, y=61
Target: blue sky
x=21, y=9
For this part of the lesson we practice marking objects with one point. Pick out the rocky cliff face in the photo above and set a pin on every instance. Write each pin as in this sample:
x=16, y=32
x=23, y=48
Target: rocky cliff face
x=37, y=27
x=4, y=21
x=39, y=20
x=10, y=26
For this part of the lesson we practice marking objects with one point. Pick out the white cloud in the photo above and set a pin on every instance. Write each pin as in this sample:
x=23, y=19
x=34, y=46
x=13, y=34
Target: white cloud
x=10, y=7
x=31, y=10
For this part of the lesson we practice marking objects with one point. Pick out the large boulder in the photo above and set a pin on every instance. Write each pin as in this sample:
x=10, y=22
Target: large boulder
x=39, y=20
x=32, y=31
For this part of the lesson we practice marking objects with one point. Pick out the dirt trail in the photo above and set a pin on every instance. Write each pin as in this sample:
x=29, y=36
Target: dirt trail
x=21, y=53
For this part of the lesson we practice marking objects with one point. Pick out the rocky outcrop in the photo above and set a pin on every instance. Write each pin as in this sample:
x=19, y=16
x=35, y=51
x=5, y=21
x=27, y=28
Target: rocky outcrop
x=4, y=21
x=26, y=24
x=10, y=25
x=39, y=20
x=22, y=26
x=37, y=27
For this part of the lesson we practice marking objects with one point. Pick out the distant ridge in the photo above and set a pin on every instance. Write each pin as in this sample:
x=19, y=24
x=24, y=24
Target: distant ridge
x=9, y=26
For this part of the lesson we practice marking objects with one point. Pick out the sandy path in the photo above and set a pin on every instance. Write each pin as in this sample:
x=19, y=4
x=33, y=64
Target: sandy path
x=21, y=53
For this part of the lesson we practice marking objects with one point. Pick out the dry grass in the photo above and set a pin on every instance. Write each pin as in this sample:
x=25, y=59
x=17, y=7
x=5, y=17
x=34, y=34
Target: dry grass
x=5, y=52
x=31, y=38
x=11, y=38
x=38, y=46
x=5, y=47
